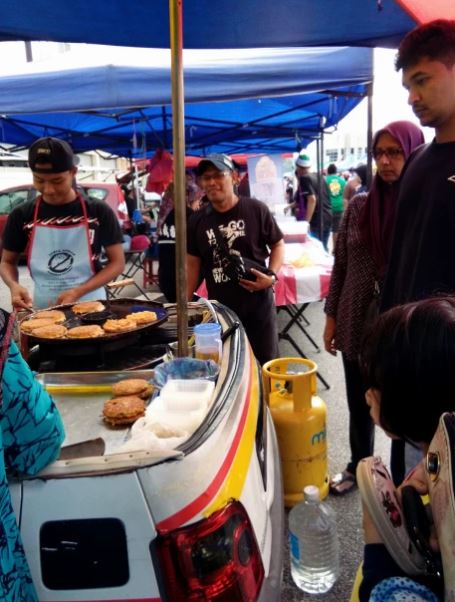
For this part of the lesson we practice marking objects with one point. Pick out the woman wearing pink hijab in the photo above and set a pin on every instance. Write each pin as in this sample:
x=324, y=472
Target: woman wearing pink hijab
x=361, y=256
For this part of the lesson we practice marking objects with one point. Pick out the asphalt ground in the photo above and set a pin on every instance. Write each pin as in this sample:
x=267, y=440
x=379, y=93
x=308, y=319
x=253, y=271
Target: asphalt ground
x=347, y=507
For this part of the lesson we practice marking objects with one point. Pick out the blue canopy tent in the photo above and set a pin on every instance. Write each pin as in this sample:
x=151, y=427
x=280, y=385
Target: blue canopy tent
x=247, y=126
x=209, y=23
x=269, y=100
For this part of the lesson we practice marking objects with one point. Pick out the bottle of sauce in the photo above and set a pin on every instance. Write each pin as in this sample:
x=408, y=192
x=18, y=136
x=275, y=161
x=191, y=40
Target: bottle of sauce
x=208, y=341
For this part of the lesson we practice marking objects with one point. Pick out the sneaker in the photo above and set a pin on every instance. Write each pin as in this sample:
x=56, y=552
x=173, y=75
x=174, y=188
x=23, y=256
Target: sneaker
x=440, y=466
x=380, y=497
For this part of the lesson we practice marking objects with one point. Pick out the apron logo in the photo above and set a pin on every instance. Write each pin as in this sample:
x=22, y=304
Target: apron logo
x=60, y=262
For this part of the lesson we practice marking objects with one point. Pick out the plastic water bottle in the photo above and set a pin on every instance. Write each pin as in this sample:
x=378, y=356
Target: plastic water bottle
x=313, y=544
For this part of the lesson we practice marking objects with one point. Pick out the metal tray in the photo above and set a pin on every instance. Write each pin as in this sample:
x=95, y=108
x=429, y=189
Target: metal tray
x=80, y=397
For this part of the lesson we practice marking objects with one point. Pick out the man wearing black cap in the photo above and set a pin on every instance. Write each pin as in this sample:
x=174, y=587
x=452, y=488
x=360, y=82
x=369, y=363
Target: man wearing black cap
x=224, y=235
x=62, y=233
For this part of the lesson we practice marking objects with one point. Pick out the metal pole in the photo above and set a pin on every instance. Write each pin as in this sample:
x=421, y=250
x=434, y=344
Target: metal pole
x=139, y=203
x=28, y=52
x=321, y=184
x=369, y=133
x=318, y=180
x=178, y=138
x=163, y=119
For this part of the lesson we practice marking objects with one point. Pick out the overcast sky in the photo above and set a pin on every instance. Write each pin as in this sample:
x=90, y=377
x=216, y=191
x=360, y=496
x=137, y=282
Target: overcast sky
x=389, y=98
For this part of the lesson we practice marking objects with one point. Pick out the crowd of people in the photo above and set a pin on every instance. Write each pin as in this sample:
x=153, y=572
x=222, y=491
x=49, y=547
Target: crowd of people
x=390, y=310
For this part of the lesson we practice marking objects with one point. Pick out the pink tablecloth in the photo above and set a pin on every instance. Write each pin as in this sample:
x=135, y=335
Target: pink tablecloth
x=304, y=284
x=293, y=231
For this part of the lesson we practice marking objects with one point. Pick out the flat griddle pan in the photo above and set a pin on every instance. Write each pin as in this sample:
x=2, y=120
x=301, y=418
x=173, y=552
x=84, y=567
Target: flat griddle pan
x=119, y=308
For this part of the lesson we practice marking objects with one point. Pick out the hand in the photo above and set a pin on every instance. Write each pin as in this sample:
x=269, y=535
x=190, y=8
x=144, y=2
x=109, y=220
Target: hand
x=20, y=297
x=329, y=335
x=262, y=281
x=69, y=296
x=418, y=478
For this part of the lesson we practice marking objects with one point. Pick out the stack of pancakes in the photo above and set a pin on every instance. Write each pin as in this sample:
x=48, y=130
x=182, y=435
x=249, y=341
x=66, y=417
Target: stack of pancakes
x=128, y=403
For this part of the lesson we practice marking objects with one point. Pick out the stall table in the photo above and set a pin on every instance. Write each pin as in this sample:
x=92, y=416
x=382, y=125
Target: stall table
x=293, y=231
x=303, y=279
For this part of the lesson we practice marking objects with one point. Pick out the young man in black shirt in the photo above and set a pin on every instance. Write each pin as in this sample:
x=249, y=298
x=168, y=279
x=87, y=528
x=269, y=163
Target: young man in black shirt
x=420, y=264
x=62, y=233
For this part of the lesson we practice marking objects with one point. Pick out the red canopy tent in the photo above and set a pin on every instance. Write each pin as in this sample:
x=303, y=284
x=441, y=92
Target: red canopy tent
x=423, y=11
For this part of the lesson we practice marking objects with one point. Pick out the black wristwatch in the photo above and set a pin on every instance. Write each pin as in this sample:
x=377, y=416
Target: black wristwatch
x=274, y=278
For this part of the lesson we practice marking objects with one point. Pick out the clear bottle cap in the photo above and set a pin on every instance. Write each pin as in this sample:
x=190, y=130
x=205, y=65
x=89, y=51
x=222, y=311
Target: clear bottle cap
x=311, y=493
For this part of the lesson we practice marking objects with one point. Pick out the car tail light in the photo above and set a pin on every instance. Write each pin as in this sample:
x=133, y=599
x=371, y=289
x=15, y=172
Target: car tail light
x=216, y=559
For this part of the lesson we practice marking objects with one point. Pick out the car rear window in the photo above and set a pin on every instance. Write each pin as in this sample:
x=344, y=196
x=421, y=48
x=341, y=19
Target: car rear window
x=10, y=200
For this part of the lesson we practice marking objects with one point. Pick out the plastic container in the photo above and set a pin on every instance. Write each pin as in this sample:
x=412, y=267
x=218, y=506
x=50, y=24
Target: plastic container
x=187, y=395
x=299, y=415
x=313, y=544
x=158, y=419
x=208, y=341
x=185, y=368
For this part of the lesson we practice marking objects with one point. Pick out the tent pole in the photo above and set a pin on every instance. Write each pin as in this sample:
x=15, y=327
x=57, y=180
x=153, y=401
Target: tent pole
x=318, y=179
x=163, y=119
x=178, y=139
x=369, y=133
x=321, y=180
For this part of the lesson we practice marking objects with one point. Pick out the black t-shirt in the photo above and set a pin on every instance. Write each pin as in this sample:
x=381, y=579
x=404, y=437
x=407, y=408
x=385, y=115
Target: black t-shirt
x=421, y=263
x=322, y=202
x=166, y=242
x=166, y=237
x=304, y=190
x=104, y=229
x=249, y=229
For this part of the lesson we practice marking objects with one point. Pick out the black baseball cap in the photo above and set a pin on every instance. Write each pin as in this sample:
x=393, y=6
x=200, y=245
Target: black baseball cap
x=54, y=152
x=220, y=161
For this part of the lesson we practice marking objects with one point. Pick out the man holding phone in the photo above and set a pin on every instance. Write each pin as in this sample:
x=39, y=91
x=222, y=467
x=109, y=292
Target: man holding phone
x=247, y=231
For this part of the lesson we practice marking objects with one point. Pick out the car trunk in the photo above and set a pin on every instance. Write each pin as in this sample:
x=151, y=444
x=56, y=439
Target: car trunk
x=90, y=522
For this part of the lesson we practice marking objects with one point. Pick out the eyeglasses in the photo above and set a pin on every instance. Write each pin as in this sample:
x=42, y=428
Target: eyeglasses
x=390, y=153
x=218, y=176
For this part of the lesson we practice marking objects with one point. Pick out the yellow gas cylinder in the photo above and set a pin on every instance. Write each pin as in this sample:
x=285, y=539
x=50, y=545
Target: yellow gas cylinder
x=299, y=416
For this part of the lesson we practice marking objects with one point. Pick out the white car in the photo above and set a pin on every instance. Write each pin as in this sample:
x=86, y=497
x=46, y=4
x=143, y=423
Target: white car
x=202, y=522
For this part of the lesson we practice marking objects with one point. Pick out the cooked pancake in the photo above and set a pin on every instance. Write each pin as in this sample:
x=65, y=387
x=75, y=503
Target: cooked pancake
x=120, y=325
x=87, y=307
x=53, y=314
x=142, y=317
x=133, y=386
x=89, y=331
x=123, y=410
x=52, y=331
x=28, y=326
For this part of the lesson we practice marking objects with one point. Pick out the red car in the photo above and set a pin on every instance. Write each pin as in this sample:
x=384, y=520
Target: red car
x=105, y=191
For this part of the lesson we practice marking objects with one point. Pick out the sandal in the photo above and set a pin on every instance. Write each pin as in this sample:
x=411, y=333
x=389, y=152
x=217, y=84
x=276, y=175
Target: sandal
x=342, y=483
